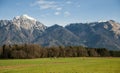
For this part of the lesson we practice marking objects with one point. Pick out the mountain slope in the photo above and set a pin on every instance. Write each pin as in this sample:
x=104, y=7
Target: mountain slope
x=97, y=34
x=58, y=36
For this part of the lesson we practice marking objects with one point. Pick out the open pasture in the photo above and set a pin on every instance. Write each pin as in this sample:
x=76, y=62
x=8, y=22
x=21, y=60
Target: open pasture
x=61, y=65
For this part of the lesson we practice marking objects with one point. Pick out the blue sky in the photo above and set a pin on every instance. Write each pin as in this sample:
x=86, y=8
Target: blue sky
x=62, y=12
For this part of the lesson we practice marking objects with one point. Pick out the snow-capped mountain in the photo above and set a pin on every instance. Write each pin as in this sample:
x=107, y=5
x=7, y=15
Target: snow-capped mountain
x=25, y=29
x=27, y=22
x=22, y=29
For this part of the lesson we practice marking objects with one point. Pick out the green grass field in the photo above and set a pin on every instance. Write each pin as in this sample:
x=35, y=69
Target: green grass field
x=61, y=65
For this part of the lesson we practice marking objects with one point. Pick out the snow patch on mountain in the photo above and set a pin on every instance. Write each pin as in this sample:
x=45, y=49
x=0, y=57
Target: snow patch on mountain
x=106, y=26
x=92, y=25
x=115, y=27
x=100, y=21
x=4, y=22
x=25, y=16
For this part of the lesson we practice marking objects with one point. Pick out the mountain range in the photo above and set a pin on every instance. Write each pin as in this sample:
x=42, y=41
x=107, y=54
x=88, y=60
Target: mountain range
x=25, y=29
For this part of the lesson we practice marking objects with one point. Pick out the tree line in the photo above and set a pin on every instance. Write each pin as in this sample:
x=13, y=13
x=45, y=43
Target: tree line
x=25, y=51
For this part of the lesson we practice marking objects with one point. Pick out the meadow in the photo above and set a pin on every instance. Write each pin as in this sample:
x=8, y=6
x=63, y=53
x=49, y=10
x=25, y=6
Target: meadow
x=61, y=65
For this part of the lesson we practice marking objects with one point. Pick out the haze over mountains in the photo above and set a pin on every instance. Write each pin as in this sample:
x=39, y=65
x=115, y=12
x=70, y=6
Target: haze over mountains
x=25, y=29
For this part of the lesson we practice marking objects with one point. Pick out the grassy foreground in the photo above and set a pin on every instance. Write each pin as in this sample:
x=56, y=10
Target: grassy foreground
x=61, y=65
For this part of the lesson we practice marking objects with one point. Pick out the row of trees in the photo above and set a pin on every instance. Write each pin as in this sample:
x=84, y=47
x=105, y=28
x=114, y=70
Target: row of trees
x=35, y=51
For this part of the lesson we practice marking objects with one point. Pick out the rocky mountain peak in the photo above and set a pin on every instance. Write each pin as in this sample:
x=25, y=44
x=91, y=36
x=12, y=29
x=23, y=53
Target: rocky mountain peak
x=27, y=22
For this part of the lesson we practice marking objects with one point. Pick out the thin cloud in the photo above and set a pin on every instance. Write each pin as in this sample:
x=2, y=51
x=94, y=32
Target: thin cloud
x=68, y=2
x=57, y=13
x=55, y=6
x=67, y=13
x=45, y=15
x=78, y=6
x=47, y=4
x=59, y=8
x=18, y=4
